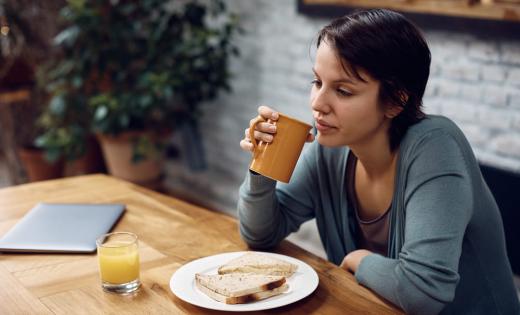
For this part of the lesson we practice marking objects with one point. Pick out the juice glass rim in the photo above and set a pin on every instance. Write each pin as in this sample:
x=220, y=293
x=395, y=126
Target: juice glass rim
x=101, y=238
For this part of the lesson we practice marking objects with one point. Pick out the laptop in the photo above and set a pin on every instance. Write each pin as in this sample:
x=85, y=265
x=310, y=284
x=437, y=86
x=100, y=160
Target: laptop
x=69, y=228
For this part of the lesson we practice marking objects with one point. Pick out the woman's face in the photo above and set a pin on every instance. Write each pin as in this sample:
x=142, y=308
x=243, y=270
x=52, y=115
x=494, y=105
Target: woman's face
x=346, y=110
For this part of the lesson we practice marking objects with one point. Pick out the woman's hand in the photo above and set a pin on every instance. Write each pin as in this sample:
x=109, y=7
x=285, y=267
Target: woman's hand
x=264, y=131
x=353, y=259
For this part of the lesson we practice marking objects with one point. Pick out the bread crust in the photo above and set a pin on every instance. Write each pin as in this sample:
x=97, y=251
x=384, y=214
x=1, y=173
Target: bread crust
x=252, y=262
x=252, y=297
x=213, y=283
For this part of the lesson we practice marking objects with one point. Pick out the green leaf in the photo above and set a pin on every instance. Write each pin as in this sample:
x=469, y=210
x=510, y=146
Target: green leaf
x=77, y=4
x=40, y=141
x=145, y=101
x=124, y=120
x=67, y=37
x=57, y=105
x=52, y=155
x=168, y=92
x=77, y=81
x=101, y=113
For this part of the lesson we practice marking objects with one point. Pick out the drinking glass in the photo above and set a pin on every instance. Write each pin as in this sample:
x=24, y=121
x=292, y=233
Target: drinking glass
x=118, y=256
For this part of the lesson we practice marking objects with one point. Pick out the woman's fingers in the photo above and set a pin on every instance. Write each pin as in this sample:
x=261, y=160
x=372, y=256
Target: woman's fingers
x=263, y=126
x=264, y=131
x=246, y=145
x=265, y=137
x=267, y=112
x=266, y=127
x=259, y=136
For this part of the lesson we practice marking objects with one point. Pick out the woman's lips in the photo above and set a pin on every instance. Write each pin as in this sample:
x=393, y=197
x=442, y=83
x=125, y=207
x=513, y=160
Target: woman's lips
x=323, y=126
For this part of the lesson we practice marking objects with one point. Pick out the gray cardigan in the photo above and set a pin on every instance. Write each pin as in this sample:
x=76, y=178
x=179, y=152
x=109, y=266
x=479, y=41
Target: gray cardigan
x=446, y=241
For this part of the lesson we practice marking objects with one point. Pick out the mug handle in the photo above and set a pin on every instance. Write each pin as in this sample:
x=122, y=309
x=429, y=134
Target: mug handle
x=257, y=120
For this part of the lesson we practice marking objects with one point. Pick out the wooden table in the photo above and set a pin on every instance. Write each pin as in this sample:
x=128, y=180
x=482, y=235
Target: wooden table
x=171, y=234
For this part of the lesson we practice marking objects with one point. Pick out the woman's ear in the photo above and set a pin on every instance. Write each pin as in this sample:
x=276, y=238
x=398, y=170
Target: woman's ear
x=393, y=110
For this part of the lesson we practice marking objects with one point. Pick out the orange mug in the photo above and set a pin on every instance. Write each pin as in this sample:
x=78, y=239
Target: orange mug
x=277, y=159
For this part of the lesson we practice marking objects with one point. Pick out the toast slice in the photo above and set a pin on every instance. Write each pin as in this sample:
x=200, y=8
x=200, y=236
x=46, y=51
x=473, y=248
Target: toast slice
x=239, y=284
x=259, y=264
x=252, y=297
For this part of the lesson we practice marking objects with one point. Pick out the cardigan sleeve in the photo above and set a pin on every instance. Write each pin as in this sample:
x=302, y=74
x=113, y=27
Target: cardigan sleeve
x=269, y=211
x=438, y=207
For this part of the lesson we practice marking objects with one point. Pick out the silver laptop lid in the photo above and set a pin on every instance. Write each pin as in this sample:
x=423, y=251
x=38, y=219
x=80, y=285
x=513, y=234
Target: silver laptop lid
x=61, y=228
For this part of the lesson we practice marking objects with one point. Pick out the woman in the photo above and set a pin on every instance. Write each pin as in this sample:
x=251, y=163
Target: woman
x=398, y=196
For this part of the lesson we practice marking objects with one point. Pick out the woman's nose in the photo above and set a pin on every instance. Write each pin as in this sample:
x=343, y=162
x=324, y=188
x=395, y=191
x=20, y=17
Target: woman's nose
x=319, y=101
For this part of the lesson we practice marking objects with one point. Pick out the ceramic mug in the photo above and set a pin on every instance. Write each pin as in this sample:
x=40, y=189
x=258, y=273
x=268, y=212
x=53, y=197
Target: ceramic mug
x=277, y=159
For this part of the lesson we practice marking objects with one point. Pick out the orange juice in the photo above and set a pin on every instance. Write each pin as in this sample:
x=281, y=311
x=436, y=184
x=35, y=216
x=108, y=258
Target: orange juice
x=119, y=264
x=118, y=257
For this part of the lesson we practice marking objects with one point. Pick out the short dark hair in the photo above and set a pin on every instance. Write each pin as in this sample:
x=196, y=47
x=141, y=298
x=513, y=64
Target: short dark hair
x=390, y=49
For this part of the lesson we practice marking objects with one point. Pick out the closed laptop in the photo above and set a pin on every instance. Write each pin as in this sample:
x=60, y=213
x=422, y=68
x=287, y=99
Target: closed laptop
x=53, y=227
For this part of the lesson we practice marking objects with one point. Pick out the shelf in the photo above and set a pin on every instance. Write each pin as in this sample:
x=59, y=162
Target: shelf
x=489, y=11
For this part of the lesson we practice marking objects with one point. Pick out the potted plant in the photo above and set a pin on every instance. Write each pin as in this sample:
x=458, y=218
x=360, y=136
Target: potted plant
x=26, y=27
x=133, y=71
x=66, y=135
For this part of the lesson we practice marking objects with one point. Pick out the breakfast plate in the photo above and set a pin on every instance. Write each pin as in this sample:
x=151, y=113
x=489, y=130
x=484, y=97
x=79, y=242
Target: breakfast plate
x=182, y=283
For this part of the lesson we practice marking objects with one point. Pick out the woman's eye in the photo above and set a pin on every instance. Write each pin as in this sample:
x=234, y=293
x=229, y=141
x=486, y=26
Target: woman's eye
x=343, y=92
x=316, y=82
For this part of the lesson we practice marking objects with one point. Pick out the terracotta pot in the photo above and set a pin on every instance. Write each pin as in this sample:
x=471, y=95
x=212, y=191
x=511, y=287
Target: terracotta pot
x=37, y=167
x=91, y=162
x=118, y=151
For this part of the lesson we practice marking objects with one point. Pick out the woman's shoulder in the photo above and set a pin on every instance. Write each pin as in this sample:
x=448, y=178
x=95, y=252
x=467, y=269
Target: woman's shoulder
x=433, y=127
x=433, y=135
x=431, y=123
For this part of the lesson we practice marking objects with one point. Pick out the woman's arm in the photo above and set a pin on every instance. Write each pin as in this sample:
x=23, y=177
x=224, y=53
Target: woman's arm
x=269, y=211
x=438, y=206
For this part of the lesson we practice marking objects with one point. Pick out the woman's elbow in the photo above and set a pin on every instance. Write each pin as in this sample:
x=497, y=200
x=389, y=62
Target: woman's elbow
x=257, y=243
x=425, y=297
x=424, y=305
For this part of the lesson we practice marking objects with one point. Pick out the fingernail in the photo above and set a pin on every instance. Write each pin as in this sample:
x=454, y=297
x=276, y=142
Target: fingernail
x=269, y=138
x=274, y=115
x=272, y=128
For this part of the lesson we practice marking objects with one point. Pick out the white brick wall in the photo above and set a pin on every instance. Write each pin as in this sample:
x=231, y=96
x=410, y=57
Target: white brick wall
x=510, y=53
x=487, y=109
x=492, y=73
x=486, y=51
x=516, y=123
x=508, y=145
x=494, y=95
x=514, y=77
x=474, y=80
x=469, y=92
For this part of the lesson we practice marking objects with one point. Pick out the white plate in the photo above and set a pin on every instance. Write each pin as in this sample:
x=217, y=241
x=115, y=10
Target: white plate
x=182, y=283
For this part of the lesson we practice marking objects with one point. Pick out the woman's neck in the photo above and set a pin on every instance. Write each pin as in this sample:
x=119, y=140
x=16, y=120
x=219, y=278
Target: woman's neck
x=376, y=158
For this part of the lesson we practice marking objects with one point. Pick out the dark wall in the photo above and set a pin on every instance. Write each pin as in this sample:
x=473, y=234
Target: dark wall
x=505, y=186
